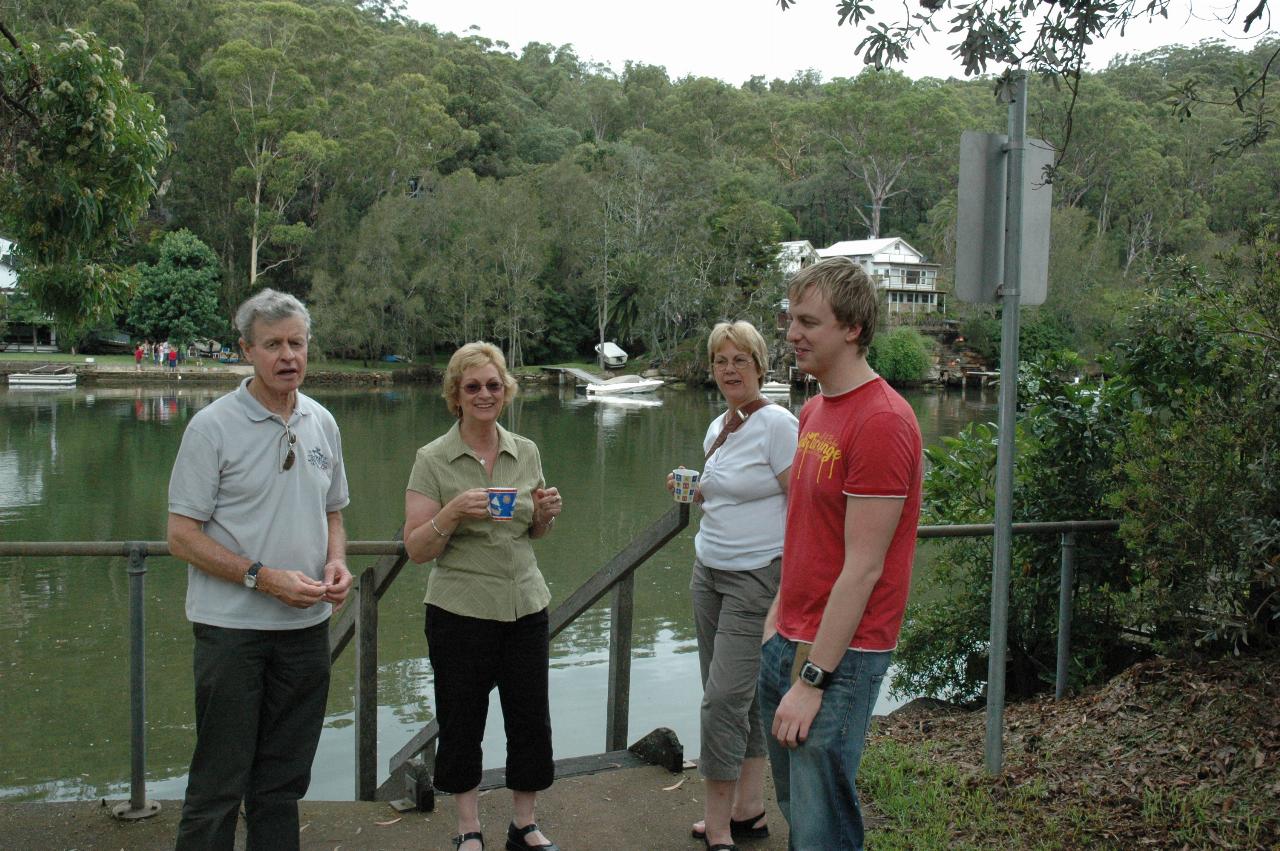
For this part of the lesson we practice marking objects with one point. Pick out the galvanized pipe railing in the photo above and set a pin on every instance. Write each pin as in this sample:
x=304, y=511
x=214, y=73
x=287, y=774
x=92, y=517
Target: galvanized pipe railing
x=359, y=620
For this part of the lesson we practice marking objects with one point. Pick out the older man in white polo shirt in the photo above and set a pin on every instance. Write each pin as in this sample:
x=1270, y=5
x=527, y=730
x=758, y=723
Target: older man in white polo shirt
x=255, y=507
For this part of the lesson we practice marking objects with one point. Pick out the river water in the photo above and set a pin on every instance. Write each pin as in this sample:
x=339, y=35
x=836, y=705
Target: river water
x=93, y=464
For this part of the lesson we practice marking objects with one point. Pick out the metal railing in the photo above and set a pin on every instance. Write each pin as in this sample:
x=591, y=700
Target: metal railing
x=358, y=620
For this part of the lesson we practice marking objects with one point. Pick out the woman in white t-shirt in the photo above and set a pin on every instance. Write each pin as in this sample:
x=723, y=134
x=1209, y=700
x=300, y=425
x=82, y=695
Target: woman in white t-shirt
x=743, y=494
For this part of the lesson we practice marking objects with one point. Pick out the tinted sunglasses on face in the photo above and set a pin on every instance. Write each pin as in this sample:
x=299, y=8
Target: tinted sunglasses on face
x=494, y=387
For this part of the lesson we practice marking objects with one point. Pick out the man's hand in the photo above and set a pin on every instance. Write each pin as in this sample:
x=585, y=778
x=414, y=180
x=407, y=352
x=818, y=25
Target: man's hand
x=337, y=581
x=292, y=587
x=796, y=711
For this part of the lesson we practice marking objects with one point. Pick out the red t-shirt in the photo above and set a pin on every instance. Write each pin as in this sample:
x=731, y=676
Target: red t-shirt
x=864, y=443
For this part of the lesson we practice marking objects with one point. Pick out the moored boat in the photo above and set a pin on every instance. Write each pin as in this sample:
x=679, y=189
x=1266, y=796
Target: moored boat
x=623, y=384
x=49, y=375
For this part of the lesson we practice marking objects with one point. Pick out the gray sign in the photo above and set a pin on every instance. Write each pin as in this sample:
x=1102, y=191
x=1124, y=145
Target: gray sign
x=980, y=219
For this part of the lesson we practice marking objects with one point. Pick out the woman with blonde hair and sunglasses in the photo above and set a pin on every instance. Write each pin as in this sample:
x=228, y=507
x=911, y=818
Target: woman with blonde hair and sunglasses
x=486, y=619
x=737, y=564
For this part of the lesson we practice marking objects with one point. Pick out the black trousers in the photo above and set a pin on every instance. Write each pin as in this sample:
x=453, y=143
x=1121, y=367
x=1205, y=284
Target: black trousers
x=260, y=701
x=469, y=657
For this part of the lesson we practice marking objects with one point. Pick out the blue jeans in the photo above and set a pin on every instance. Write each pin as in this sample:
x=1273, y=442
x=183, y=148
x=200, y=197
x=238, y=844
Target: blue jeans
x=815, y=783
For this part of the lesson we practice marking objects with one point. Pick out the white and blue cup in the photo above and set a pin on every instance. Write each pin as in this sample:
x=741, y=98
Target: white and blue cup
x=502, y=503
x=686, y=484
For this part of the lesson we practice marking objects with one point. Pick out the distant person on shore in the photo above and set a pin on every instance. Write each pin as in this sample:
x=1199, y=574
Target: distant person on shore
x=173, y=357
x=138, y=352
x=486, y=617
x=255, y=507
x=852, y=509
x=743, y=494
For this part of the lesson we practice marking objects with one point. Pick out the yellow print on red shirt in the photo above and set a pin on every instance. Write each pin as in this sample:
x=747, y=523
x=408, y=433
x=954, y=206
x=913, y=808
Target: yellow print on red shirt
x=824, y=447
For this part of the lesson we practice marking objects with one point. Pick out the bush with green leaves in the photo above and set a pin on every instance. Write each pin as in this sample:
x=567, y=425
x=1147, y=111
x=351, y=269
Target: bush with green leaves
x=900, y=355
x=1199, y=462
x=1062, y=470
x=177, y=298
x=1182, y=443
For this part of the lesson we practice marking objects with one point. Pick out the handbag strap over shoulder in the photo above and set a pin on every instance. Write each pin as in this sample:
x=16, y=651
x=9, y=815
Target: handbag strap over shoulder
x=733, y=423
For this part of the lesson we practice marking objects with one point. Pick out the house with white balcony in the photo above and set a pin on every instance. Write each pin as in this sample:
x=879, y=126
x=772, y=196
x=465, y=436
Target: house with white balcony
x=909, y=283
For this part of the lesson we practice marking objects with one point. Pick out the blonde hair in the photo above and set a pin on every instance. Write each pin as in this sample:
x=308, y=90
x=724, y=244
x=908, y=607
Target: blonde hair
x=744, y=336
x=849, y=291
x=468, y=357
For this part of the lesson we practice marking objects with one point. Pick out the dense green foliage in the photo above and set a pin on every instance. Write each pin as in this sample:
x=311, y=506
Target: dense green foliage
x=901, y=355
x=1181, y=442
x=177, y=297
x=336, y=150
x=79, y=152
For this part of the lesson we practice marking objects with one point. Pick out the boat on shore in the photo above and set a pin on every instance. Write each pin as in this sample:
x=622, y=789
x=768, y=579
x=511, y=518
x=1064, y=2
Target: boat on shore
x=49, y=375
x=775, y=388
x=622, y=385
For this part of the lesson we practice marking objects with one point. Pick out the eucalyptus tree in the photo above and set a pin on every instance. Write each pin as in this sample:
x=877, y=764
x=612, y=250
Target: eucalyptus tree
x=882, y=128
x=262, y=91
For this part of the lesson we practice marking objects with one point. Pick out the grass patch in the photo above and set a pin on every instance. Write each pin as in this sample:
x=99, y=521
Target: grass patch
x=59, y=357
x=916, y=802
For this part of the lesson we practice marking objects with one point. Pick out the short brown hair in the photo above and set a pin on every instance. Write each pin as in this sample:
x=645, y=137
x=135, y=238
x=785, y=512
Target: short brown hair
x=468, y=357
x=848, y=289
x=744, y=336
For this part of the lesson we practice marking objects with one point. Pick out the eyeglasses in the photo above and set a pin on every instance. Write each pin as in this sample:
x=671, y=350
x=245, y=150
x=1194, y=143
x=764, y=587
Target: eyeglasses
x=289, y=457
x=740, y=362
x=495, y=387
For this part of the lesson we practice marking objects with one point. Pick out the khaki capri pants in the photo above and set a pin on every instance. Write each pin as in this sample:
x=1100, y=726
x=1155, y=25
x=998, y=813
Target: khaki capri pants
x=729, y=608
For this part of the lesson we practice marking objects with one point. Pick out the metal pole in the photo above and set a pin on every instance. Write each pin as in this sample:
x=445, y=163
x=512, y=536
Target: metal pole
x=1066, y=585
x=367, y=686
x=1008, y=405
x=618, y=711
x=137, y=807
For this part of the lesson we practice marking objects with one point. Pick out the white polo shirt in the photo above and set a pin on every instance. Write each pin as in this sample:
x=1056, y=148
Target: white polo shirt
x=744, y=510
x=228, y=476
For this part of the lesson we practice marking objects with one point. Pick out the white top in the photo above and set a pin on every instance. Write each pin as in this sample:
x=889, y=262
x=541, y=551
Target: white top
x=228, y=476
x=744, y=510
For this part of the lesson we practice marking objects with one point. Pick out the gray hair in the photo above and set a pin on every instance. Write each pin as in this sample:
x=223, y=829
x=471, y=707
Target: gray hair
x=270, y=306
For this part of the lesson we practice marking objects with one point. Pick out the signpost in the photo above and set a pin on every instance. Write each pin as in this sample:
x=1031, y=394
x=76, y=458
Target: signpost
x=1002, y=255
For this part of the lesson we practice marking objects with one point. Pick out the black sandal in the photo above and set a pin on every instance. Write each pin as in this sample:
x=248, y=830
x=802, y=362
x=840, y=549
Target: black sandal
x=467, y=837
x=740, y=828
x=516, y=835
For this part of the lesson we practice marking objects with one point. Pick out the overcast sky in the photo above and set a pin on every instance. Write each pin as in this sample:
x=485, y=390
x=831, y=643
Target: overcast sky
x=735, y=39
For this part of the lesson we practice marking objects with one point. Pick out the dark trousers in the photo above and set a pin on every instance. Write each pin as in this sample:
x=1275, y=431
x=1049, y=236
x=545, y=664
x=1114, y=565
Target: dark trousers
x=260, y=701
x=469, y=656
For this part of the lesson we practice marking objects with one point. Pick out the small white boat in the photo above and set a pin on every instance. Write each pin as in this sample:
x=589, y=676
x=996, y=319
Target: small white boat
x=775, y=388
x=624, y=384
x=49, y=375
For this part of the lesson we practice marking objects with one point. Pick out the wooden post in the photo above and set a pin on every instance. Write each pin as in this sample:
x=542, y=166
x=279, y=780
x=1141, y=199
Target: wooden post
x=367, y=686
x=620, y=620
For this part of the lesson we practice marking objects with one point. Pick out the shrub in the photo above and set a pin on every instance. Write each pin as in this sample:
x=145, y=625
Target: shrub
x=900, y=355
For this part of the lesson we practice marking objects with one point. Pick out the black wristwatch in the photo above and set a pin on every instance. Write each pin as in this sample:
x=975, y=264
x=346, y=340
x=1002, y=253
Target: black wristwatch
x=251, y=575
x=815, y=676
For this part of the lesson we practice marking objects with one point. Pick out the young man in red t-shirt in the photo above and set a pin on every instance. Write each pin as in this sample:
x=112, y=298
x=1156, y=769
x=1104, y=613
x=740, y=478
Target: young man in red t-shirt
x=852, y=509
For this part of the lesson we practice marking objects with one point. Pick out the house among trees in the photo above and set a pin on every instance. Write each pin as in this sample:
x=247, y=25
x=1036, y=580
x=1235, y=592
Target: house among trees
x=796, y=255
x=21, y=328
x=910, y=284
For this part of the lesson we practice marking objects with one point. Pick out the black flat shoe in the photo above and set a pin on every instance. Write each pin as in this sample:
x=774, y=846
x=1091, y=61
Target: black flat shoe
x=467, y=837
x=740, y=828
x=516, y=835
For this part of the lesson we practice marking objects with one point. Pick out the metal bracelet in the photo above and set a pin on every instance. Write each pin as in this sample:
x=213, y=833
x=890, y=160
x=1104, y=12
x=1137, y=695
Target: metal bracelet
x=437, y=528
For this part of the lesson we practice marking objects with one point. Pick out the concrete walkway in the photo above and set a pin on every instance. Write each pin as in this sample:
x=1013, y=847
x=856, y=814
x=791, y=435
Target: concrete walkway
x=633, y=809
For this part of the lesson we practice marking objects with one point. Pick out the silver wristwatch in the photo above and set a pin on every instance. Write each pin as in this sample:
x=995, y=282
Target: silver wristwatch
x=251, y=575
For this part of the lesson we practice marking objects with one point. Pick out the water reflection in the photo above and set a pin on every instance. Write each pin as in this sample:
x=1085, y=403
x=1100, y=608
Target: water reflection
x=94, y=465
